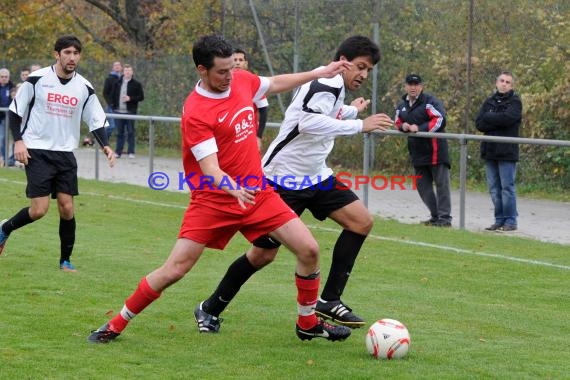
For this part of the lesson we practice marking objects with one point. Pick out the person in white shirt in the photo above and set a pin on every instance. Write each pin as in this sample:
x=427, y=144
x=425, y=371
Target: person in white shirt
x=45, y=118
x=295, y=165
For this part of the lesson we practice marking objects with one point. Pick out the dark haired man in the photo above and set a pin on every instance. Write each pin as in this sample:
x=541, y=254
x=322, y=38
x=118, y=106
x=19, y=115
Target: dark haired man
x=219, y=143
x=24, y=74
x=295, y=164
x=45, y=118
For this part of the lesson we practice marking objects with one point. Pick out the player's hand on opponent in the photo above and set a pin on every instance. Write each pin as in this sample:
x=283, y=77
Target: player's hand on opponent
x=379, y=121
x=245, y=196
x=21, y=153
x=110, y=155
x=333, y=68
x=360, y=103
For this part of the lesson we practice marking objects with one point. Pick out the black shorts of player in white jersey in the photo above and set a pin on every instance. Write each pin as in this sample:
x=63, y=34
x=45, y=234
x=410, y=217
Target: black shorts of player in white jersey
x=51, y=172
x=330, y=195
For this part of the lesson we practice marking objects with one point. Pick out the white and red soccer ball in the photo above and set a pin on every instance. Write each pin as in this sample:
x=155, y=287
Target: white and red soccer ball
x=388, y=339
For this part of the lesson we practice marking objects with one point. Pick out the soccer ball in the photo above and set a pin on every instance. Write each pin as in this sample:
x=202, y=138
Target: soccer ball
x=388, y=339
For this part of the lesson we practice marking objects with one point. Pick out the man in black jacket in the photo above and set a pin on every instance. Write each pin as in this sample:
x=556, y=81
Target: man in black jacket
x=419, y=111
x=501, y=115
x=127, y=93
x=6, y=86
x=110, y=81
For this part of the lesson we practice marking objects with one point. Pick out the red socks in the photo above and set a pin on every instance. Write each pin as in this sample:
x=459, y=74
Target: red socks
x=307, y=294
x=143, y=296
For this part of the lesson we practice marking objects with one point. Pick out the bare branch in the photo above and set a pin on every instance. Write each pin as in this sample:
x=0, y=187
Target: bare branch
x=102, y=42
x=154, y=28
x=114, y=12
x=106, y=45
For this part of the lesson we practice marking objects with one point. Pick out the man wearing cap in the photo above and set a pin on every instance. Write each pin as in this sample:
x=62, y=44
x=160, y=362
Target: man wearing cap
x=422, y=112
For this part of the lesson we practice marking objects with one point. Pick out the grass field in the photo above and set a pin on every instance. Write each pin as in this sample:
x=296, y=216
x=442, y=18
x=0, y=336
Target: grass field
x=476, y=305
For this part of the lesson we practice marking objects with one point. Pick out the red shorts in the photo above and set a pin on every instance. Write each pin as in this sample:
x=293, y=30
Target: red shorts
x=215, y=227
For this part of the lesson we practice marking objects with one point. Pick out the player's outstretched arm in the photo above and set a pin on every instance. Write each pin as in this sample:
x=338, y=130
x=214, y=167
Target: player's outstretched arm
x=379, y=121
x=287, y=82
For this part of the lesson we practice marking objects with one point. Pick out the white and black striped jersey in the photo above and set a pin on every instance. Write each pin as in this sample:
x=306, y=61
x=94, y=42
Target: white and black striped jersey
x=316, y=115
x=52, y=112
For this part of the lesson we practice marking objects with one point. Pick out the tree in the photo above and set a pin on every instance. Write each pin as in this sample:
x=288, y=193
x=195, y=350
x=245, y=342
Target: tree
x=134, y=27
x=144, y=28
x=23, y=29
x=529, y=37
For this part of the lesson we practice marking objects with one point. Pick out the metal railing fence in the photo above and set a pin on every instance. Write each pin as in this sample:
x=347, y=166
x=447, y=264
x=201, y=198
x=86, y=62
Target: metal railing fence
x=463, y=140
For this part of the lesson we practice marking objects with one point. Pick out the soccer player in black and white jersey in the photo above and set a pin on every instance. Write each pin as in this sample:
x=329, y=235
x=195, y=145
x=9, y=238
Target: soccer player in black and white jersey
x=296, y=163
x=45, y=117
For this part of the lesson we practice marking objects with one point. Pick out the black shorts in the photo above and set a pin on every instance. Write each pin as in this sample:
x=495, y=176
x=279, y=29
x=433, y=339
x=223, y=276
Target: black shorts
x=51, y=172
x=330, y=195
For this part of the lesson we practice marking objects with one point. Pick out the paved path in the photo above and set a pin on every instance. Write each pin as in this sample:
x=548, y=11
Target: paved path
x=542, y=220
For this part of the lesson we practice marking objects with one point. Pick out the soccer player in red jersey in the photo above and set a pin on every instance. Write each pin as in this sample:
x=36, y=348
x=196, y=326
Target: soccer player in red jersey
x=223, y=169
x=241, y=62
x=295, y=164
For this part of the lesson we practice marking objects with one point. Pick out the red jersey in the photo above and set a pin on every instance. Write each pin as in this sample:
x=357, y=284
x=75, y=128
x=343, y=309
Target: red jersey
x=257, y=104
x=223, y=123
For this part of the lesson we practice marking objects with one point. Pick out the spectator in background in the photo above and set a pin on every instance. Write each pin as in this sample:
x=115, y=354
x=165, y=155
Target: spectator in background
x=240, y=62
x=14, y=90
x=501, y=115
x=34, y=67
x=127, y=93
x=422, y=112
x=24, y=74
x=6, y=86
x=110, y=81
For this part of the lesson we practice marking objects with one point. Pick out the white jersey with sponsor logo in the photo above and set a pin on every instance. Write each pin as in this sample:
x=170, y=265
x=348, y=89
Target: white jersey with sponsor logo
x=296, y=159
x=52, y=112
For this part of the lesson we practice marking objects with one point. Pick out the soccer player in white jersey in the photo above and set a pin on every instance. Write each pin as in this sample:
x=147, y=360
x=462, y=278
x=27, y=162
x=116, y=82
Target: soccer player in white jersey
x=45, y=117
x=295, y=164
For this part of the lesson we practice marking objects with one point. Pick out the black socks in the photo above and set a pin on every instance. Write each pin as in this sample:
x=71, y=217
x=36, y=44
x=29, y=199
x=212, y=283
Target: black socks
x=19, y=220
x=67, y=238
x=237, y=275
x=345, y=252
